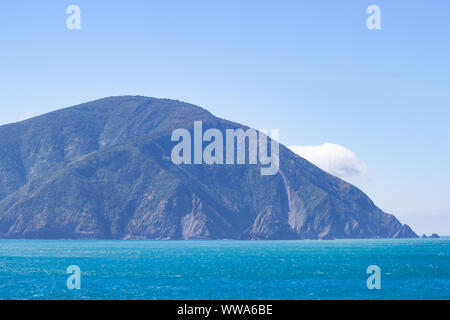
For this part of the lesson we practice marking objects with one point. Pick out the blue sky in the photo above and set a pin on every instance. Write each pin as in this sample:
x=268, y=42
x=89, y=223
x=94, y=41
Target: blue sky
x=310, y=68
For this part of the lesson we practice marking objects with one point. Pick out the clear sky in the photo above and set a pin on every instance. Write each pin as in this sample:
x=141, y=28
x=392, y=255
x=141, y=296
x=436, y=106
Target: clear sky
x=310, y=68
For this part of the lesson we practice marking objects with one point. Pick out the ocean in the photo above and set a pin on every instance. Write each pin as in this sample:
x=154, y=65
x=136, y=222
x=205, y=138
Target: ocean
x=409, y=269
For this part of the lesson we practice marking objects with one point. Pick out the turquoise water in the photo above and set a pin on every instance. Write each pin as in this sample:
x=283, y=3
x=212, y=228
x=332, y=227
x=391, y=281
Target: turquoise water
x=410, y=269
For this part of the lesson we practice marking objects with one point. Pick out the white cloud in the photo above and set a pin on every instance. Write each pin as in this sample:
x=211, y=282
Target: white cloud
x=334, y=159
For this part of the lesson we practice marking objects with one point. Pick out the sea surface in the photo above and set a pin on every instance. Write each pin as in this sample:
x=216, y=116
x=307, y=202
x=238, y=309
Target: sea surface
x=410, y=269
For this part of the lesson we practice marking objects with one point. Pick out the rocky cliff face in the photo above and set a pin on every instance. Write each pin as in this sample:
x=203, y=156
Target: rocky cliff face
x=102, y=170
